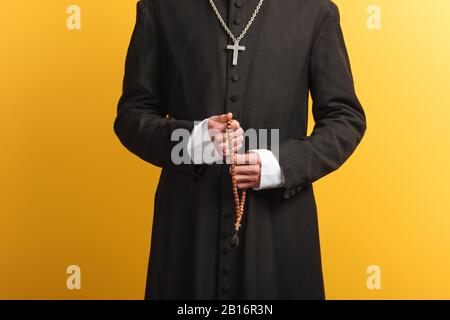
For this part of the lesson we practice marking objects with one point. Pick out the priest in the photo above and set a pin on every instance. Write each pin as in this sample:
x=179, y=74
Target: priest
x=203, y=66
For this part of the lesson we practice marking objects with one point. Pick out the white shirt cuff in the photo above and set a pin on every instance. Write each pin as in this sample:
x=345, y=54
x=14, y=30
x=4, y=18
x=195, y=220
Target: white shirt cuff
x=271, y=174
x=200, y=148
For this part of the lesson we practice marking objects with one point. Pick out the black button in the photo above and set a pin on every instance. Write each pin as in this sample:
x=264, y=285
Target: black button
x=234, y=98
x=292, y=193
x=226, y=249
x=226, y=287
x=226, y=268
x=239, y=3
x=238, y=20
x=235, y=77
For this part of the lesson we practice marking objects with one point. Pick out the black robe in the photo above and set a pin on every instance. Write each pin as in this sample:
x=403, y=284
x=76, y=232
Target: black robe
x=177, y=71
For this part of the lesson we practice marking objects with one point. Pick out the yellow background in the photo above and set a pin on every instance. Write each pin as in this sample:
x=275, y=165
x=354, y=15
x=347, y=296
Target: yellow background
x=71, y=194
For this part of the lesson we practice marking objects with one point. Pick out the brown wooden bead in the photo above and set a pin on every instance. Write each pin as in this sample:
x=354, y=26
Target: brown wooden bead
x=238, y=201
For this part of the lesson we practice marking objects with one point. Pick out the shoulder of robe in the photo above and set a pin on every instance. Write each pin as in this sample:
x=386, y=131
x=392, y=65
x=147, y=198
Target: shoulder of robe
x=322, y=10
x=146, y=5
x=145, y=11
x=324, y=5
x=328, y=7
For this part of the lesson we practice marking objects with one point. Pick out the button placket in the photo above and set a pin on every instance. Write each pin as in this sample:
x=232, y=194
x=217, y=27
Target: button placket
x=225, y=250
x=227, y=256
x=238, y=17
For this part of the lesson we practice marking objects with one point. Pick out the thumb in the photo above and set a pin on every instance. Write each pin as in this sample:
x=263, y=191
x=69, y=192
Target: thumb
x=223, y=117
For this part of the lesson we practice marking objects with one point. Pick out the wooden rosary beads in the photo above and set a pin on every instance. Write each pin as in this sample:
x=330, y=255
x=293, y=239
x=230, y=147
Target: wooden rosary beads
x=239, y=203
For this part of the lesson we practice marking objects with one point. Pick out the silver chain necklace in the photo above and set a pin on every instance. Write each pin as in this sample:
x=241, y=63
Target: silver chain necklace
x=236, y=47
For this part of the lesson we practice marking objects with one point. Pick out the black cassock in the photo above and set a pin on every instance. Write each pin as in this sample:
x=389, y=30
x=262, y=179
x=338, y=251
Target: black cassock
x=177, y=71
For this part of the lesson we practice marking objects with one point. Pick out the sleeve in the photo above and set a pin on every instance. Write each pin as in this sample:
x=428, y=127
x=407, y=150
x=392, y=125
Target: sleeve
x=200, y=147
x=197, y=141
x=340, y=121
x=142, y=123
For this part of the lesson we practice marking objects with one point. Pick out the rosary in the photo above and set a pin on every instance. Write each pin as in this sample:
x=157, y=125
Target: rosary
x=239, y=203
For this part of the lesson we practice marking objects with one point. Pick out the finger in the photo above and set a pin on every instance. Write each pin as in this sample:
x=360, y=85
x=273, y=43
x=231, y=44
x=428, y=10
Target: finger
x=224, y=138
x=221, y=121
x=252, y=169
x=223, y=127
x=234, y=134
x=221, y=142
x=233, y=128
x=247, y=185
x=246, y=158
x=227, y=150
x=238, y=132
x=245, y=179
x=220, y=118
x=217, y=126
x=238, y=140
x=223, y=118
x=239, y=159
x=236, y=143
x=235, y=124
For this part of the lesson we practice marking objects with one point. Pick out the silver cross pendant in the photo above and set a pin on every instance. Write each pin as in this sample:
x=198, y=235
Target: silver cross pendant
x=236, y=48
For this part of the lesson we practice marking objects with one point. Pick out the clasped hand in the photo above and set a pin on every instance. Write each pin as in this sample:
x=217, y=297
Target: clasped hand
x=248, y=165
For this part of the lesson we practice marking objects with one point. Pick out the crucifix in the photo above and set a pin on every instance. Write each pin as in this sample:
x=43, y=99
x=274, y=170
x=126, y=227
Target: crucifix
x=236, y=48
